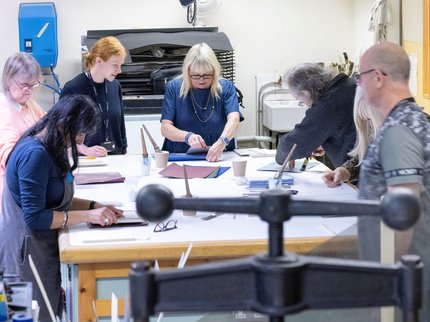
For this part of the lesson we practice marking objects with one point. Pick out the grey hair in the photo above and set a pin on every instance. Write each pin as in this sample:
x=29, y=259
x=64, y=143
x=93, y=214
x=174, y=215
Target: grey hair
x=203, y=57
x=309, y=77
x=19, y=66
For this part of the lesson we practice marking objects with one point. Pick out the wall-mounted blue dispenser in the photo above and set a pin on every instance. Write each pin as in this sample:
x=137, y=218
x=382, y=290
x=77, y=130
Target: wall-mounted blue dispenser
x=38, y=32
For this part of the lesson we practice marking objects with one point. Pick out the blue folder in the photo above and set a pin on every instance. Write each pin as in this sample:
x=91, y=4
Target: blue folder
x=186, y=157
x=264, y=183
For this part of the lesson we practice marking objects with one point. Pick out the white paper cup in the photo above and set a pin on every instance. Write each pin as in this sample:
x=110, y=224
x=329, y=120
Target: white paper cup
x=239, y=168
x=161, y=159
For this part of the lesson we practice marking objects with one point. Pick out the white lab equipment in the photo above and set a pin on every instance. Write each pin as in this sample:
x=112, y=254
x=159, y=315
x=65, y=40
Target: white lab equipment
x=282, y=115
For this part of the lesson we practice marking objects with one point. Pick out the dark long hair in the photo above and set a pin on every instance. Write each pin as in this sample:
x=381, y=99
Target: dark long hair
x=70, y=116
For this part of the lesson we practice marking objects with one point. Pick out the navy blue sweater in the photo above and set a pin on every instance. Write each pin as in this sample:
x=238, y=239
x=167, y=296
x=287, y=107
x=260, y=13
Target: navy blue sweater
x=82, y=85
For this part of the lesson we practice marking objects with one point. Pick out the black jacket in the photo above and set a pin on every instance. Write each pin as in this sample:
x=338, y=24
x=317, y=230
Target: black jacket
x=328, y=123
x=82, y=85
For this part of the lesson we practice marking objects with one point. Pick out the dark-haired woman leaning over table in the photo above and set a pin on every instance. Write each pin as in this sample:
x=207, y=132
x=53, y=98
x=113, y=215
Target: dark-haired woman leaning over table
x=200, y=108
x=38, y=197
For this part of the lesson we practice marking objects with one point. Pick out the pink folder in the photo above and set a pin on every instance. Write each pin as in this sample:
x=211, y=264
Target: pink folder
x=98, y=177
x=176, y=171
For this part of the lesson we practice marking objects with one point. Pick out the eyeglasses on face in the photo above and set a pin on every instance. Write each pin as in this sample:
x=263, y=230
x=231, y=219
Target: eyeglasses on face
x=161, y=226
x=26, y=86
x=205, y=76
x=357, y=77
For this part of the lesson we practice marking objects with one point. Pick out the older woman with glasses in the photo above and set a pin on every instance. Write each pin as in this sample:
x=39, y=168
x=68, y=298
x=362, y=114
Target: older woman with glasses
x=328, y=122
x=18, y=110
x=21, y=74
x=200, y=108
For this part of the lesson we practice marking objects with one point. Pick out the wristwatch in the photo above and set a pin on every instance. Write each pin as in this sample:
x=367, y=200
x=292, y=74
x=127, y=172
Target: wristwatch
x=224, y=139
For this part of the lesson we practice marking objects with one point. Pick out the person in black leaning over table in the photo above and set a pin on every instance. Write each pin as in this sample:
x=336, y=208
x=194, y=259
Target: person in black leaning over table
x=328, y=126
x=103, y=63
x=200, y=108
x=38, y=197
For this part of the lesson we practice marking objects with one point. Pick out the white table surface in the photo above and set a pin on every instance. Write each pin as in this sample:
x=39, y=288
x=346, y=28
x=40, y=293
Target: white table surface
x=193, y=229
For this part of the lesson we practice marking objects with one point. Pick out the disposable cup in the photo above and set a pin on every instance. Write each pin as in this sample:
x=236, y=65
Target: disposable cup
x=239, y=168
x=161, y=159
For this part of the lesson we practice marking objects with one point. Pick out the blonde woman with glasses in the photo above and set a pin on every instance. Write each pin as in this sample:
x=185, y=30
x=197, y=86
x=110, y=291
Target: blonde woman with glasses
x=200, y=108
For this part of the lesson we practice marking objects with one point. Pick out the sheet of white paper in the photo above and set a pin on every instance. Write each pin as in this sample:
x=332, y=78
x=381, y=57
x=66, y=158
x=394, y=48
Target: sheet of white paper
x=90, y=162
x=94, y=236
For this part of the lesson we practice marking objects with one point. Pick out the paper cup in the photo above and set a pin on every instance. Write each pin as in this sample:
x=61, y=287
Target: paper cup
x=161, y=159
x=239, y=168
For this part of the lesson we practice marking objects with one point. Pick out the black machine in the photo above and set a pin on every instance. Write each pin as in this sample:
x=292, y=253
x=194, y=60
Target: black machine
x=278, y=284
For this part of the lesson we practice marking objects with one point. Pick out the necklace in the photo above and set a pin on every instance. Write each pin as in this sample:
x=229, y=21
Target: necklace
x=194, y=103
x=197, y=104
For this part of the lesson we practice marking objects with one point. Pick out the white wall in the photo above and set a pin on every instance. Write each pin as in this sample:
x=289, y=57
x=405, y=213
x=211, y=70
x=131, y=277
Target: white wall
x=413, y=20
x=269, y=36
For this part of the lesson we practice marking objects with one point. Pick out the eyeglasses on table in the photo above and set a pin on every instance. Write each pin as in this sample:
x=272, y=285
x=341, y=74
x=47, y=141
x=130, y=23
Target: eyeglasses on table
x=169, y=225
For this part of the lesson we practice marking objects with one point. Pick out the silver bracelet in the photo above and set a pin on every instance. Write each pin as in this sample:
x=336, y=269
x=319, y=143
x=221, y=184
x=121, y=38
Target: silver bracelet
x=65, y=219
